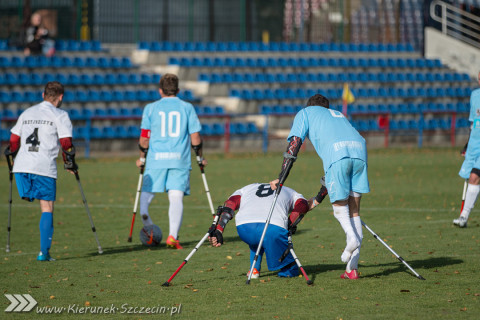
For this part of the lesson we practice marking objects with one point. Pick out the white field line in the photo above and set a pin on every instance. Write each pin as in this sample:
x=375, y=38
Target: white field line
x=124, y=206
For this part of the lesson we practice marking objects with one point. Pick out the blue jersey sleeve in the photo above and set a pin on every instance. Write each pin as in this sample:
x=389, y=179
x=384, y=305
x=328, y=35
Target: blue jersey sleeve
x=193, y=121
x=299, y=126
x=146, y=118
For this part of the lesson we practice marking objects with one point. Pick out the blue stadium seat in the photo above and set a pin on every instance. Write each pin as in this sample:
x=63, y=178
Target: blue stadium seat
x=252, y=128
x=108, y=132
x=206, y=129
x=218, y=129
x=133, y=131
x=120, y=132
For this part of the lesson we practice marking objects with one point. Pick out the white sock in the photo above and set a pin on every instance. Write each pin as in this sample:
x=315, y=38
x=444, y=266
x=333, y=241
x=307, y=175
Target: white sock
x=342, y=214
x=175, y=211
x=145, y=200
x=470, y=199
x=353, y=263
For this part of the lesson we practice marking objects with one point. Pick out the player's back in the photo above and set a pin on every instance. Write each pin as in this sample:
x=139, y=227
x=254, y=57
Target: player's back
x=170, y=121
x=474, y=141
x=40, y=127
x=256, y=201
x=331, y=134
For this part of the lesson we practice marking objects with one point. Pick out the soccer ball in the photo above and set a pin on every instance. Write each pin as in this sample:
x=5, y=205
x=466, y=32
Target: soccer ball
x=151, y=236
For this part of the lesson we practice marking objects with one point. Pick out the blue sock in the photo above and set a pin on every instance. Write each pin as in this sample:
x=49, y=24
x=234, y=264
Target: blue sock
x=253, y=251
x=46, y=232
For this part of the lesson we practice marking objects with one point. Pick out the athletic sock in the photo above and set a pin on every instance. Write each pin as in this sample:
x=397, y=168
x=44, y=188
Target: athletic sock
x=175, y=211
x=46, y=232
x=253, y=252
x=353, y=263
x=145, y=200
x=470, y=199
x=342, y=214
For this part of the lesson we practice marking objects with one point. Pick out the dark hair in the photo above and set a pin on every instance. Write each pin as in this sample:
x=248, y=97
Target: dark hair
x=53, y=90
x=318, y=100
x=169, y=84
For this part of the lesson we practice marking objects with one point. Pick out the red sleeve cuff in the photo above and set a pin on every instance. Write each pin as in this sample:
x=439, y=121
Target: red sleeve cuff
x=145, y=133
x=233, y=202
x=14, y=142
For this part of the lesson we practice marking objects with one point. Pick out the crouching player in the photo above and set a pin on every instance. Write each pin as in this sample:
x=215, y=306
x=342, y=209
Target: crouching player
x=253, y=203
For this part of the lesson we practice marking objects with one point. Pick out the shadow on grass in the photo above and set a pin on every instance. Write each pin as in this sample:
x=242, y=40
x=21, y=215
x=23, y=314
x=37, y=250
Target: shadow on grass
x=389, y=268
x=417, y=265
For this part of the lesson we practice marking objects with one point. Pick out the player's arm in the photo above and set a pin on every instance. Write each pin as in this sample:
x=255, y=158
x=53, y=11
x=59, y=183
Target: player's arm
x=464, y=150
x=289, y=158
x=315, y=201
x=68, y=154
x=299, y=210
x=197, y=146
x=14, y=145
x=228, y=211
x=143, y=144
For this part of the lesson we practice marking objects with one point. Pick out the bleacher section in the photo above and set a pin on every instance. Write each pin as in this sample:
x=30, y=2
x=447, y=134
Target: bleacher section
x=248, y=90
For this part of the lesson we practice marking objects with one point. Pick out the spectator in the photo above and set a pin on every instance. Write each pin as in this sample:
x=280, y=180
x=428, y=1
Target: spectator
x=37, y=38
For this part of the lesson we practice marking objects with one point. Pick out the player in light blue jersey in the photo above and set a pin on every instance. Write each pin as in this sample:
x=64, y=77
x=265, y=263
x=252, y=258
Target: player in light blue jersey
x=344, y=155
x=169, y=127
x=471, y=166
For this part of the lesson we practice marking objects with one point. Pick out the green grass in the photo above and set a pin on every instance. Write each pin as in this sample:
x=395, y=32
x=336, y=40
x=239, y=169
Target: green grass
x=414, y=196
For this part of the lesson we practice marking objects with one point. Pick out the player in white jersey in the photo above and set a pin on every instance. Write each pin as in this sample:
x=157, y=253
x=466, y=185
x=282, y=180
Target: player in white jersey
x=169, y=127
x=34, y=144
x=253, y=203
x=471, y=166
x=344, y=155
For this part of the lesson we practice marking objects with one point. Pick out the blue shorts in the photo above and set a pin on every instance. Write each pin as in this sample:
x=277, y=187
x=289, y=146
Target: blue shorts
x=162, y=180
x=274, y=244
x=469, y=163
x=32, y=186
x=346, y=175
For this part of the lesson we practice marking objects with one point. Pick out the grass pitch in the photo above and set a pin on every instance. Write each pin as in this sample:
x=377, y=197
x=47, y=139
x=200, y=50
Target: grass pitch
x=414, y=196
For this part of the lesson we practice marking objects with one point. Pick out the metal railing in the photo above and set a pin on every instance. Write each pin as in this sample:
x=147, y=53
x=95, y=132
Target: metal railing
x=456, y=22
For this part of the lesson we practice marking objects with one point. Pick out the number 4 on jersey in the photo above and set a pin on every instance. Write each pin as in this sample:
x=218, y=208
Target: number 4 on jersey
x=33, y=140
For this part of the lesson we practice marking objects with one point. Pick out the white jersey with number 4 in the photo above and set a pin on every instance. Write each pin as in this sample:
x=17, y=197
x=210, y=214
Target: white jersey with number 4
x=256, y=201
x=40, y=127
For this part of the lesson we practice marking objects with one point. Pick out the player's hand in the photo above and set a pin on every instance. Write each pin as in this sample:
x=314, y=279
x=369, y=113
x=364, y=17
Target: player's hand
x=216, y=239
x=274, y=184
x=312, y=203
x=140, y=163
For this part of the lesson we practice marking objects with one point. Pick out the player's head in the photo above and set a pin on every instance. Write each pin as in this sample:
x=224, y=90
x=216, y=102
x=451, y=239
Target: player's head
x=318, y=100
x=53, y=93
x=169, y=85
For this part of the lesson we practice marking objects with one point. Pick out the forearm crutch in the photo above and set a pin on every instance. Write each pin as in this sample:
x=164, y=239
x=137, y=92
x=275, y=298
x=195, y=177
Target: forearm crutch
x=135, y=205
x=199, y=244
x=391, y=250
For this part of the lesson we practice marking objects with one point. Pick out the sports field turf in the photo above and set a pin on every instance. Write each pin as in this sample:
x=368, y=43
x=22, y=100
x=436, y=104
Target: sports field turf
x=415, y=195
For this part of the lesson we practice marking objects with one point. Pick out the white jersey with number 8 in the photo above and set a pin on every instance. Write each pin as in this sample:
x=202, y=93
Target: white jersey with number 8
x=256, y=201
x=40, y=127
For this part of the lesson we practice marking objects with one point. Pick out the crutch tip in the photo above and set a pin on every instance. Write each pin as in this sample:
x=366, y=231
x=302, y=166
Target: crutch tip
x=7, y=250
x=248, y=282
x=129, y=239
x=310, y=282
x=100, y=251
x=421, y=278
x=166, y=284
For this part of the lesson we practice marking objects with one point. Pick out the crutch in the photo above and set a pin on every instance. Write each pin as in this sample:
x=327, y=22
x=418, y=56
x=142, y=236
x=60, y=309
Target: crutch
x=199, y=244
x=277, y=192
x=9, y=154
x=465, y=185
x=135, y=205
x=100, y=251
x=391, y=250
x=290, y=250
x=204, y=178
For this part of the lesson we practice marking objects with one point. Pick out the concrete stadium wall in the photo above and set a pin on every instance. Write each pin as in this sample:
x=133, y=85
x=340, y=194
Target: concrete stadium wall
x=454, y=53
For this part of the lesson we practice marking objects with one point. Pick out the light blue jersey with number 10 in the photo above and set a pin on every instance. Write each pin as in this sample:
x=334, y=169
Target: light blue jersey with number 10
x=171, y=121
x=332, y=136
